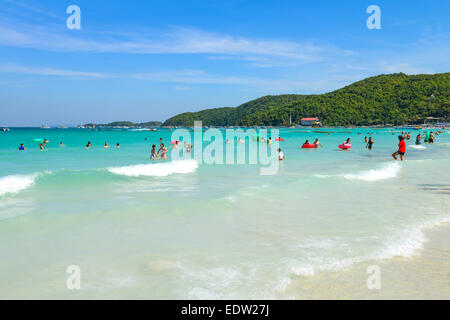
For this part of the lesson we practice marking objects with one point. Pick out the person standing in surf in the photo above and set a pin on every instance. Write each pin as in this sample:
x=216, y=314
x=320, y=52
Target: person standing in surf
x=370, y=143
x=280, y=155
x=418, y=139
x=154, y=155
x=163, y=151
x=431, y=138
x=401, y=149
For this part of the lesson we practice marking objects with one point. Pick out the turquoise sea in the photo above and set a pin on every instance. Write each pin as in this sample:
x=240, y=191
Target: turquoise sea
x=185, y=230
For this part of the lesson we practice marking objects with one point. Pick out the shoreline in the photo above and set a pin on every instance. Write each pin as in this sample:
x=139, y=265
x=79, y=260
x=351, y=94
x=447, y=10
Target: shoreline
x=425, y=275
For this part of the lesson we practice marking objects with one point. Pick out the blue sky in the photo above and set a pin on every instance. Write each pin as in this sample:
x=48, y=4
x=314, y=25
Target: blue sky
x=149, y=60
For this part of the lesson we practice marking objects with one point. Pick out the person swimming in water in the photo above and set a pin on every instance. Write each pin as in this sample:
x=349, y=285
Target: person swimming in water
x=307, y=142
x=41, y=146
x=117, y=145
x=370, y=143
x=106, y=145
x=88, y=145
x=61, y=144
x=401, y=148
x=22, y=147
x=154, y=155
x=163, y=151
x=346, y=144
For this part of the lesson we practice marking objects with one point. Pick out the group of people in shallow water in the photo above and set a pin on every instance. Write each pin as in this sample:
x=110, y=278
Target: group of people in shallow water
x=315, y=144
x=106, y=146
x=44, y=142
x=429, y=137
x=161, y=153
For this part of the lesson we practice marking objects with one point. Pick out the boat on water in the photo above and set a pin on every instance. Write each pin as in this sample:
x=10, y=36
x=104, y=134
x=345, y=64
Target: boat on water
x=5, y=129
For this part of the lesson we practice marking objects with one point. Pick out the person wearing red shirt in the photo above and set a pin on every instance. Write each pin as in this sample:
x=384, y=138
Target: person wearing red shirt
x=401, y=149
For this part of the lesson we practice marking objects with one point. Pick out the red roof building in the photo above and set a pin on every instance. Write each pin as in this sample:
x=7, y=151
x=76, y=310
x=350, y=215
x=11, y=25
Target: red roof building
x=310, y=121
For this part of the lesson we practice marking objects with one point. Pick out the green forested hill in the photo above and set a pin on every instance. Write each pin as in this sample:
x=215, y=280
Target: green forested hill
x=395, y=98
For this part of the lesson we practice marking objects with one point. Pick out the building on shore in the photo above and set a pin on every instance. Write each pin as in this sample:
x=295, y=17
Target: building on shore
x=310, y=121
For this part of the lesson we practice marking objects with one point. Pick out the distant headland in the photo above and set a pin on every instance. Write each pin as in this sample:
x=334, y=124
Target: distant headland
x=124, y=124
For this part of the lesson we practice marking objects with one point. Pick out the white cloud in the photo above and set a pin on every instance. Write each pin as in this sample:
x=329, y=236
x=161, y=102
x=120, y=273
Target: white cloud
x=49, y=71
x=183, y=79
x=177, y=40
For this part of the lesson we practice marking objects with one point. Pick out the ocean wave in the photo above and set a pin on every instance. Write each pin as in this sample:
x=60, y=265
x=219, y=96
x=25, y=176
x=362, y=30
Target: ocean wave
x=16, y=183
x=417, y=147
x=388, y=171
x=157, y=169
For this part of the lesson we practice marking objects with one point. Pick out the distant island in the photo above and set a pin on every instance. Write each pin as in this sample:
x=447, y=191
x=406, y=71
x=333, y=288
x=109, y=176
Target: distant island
x=385, y=99
x=124, y=124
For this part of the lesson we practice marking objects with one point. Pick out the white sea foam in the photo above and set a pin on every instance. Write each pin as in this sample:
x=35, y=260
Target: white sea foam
x=417, y=147
x=16, y=183
x=157, y=169
x=408, y=242
x=405, y=243
x=390, y=170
